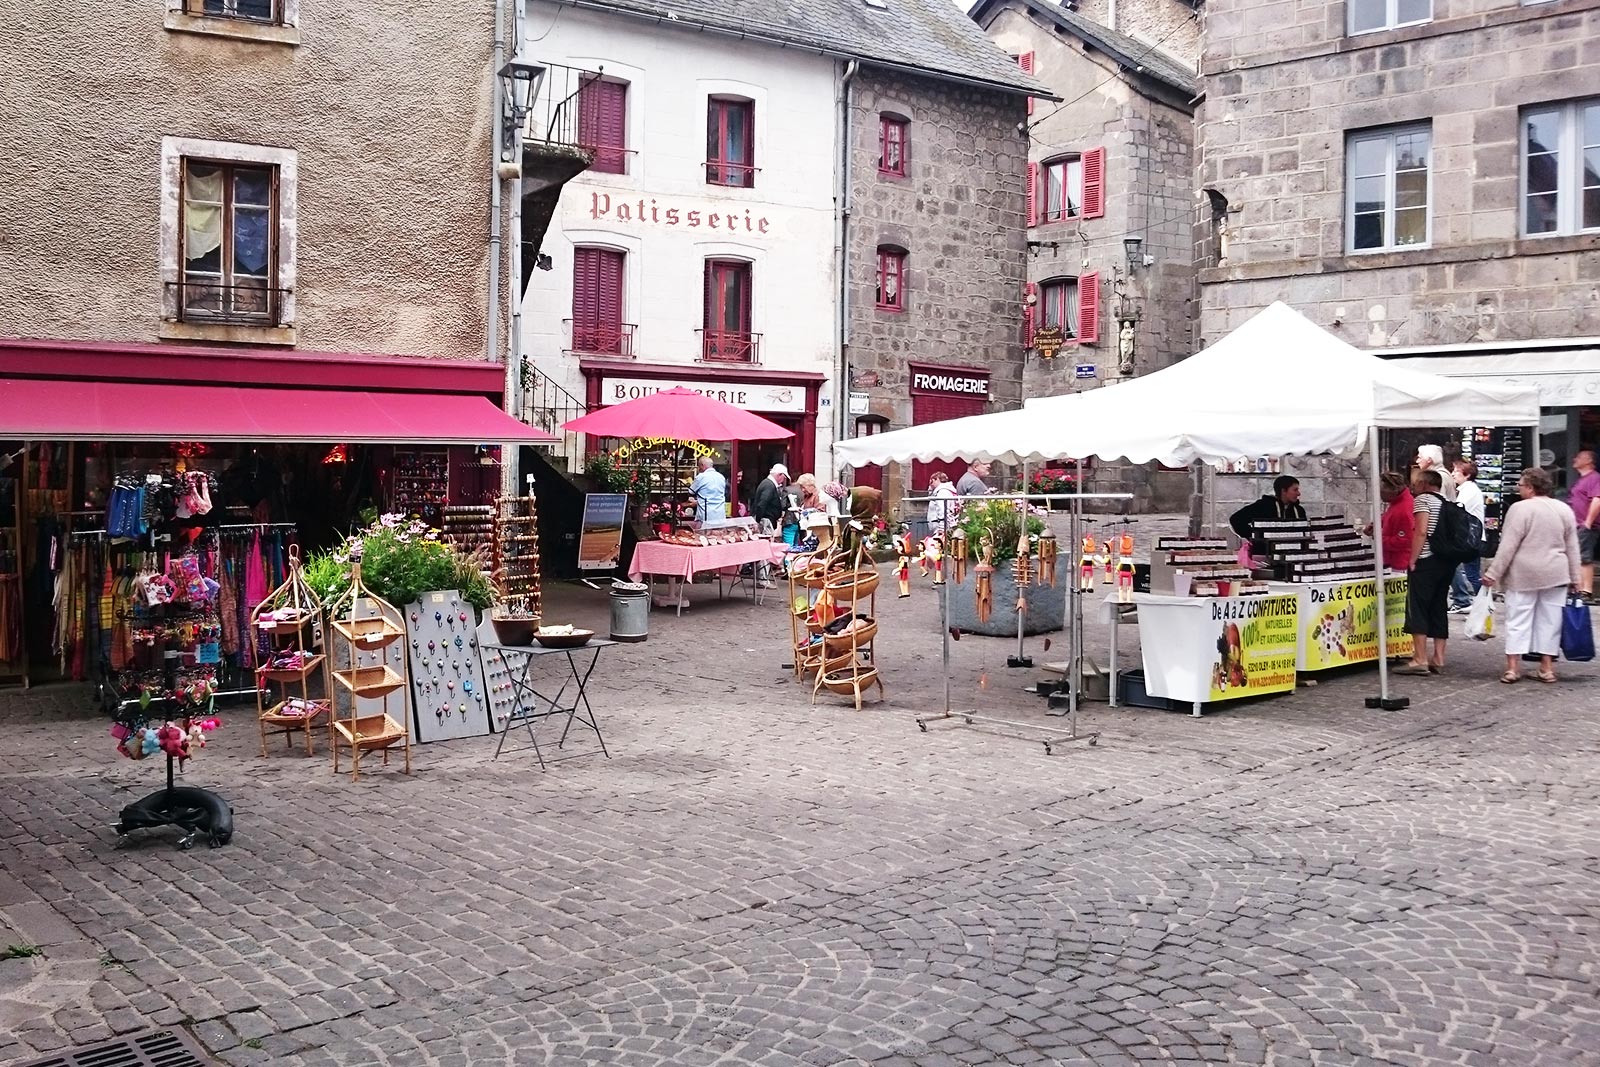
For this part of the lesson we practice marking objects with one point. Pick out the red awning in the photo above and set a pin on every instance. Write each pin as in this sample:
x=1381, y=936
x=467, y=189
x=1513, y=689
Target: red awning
x=46, y=410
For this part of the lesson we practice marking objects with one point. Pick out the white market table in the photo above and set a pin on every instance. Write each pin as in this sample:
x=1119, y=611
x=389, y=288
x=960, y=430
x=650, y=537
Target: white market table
x=1339, y=621
x=1204, y=650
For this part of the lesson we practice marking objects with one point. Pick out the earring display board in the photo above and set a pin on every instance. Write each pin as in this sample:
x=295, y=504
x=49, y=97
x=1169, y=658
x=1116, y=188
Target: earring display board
x=447, y=673
x=499, y=695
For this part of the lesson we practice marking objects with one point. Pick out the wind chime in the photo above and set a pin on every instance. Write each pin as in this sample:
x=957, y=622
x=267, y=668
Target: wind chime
x=1047, y=560
x=1021, y=569
x=984, y=572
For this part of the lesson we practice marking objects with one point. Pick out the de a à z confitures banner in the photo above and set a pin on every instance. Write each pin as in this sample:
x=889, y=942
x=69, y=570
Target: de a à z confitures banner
x=1256, y=645
x=1341, y=622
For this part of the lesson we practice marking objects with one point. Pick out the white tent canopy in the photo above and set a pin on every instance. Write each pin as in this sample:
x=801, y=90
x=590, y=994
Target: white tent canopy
x=1278, y=385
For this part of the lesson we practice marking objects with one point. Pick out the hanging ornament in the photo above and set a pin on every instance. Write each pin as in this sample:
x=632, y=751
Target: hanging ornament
x=984, y=572
x=958, y=555
x=902, y=568
x=1108, y=564
x=1125, y=568
x=1086, y=563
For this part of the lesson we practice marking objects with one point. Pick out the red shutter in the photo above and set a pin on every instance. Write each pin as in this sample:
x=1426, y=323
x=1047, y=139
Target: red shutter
x=1089, y=307
x=608, y=303
x=709, y=318
x=745, y=322
x=1033, y=181
x=905, y=149
x=1027, y=315
x=585, y=297
x=1025, y=61
x=1094, y=183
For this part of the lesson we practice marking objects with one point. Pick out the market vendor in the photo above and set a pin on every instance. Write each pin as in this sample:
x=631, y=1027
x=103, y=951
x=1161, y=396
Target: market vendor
x=710, y=491
x=1283, y=505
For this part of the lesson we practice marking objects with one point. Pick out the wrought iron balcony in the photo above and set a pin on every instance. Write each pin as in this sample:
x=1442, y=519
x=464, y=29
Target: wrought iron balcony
x=602, y=339
x=729, y=346
x=737, y=175
x=202, y=301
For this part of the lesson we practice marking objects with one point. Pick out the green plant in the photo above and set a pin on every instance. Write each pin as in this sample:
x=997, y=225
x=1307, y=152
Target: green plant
x=999, y=520
x=252, y=1043
x=400, y=560
x=21, y=952
x=604, y=470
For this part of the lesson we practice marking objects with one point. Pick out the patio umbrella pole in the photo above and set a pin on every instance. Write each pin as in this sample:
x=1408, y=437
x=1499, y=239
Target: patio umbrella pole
x=1383, y=699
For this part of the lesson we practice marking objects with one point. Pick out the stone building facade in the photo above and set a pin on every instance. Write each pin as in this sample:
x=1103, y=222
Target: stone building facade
x=371, y=127
x=1415, y=187
x=1111, y=164
x=957, y=220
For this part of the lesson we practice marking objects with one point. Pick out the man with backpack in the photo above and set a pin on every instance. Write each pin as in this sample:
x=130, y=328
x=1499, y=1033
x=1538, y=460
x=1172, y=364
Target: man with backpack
x=1444, y=536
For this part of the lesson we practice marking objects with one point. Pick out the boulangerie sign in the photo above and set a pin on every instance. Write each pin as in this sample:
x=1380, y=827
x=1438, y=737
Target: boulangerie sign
x=752, y=396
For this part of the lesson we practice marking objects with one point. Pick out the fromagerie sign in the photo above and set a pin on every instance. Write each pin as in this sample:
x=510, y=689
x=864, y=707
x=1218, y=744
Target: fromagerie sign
x=927, y=381
x=649, y=211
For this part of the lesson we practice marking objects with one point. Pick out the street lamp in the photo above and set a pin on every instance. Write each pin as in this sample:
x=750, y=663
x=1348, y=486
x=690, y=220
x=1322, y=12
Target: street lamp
x=520, y=81
x=1130, y=247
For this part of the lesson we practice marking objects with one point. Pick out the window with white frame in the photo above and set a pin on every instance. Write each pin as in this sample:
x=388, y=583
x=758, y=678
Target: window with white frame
x=1367, y=16
x=1561, y=168
x=1387, y=185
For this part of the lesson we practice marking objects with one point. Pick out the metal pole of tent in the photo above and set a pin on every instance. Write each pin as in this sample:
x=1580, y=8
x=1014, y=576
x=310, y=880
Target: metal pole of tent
x=1022, y=659
x=1053, y=738
x=1383, y=699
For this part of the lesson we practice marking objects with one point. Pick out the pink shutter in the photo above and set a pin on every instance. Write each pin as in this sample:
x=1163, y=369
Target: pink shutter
x=608, y=299
x=1028, y=290
x=905, y=148
x=1033, y=182
x=585, y=297
x=614, y=126
x=1025, y=61
x=1089, y=307
x=1094, y=183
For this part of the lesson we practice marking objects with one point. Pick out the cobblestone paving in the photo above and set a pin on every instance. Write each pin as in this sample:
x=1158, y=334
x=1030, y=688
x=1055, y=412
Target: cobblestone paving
x=754, y=880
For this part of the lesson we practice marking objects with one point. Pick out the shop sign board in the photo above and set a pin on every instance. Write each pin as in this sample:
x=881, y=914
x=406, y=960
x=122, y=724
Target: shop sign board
x=600, y=540
x=787, y=399
x=1255, y=650
x=629, y=448
x=1048, y=341
x=1339, y=623
x=949, y=382
x=858, y=403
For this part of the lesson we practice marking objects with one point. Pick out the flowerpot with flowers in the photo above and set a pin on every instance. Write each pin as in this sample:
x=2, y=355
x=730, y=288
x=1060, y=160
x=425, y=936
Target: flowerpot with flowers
x=1053, y=480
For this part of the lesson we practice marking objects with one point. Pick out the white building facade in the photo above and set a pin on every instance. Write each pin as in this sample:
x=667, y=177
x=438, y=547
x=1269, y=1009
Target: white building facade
x=700, y=247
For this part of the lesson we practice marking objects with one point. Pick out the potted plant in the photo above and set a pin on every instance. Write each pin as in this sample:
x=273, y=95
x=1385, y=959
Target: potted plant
x=1000, y=524
x=1053, y=480
x=401, y=558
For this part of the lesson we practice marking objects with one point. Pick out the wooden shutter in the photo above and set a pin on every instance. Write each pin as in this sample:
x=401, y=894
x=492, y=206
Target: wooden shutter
x=1028, y=315
x=585, y=297
x=1089, y=307
x=1094, y=183
x=1025, y=61
x=608, y=296
x=709, y=319
x=613, y=128
x=747, y=280
x=1033, y=184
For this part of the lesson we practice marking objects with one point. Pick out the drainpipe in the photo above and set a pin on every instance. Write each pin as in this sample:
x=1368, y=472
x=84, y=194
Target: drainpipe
x=496, y=108
x=841, y=401
x=1111, y=14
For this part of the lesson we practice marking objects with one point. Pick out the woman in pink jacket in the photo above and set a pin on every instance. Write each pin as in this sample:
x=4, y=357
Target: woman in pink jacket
x=1536, y=566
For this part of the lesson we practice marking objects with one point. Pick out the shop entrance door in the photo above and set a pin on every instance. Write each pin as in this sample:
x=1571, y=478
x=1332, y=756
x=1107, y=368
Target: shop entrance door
x=870, y=475
x=930, y=407
x=755, y=459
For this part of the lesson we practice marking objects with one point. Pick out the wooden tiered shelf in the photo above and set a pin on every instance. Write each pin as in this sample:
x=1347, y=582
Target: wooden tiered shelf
x=292, y=711
x=366, y=675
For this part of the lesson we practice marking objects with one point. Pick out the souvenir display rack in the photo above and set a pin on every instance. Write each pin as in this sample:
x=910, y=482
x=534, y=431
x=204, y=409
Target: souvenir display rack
x=362, y=626
x=422, y=483
x=468, y=527
x=848, y=666
x=287, y=620
x=1500, y=454
x=450, y=695
x=514, y=559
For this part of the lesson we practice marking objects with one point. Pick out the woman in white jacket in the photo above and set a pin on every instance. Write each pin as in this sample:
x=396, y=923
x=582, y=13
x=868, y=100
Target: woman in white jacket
x=1536, y=566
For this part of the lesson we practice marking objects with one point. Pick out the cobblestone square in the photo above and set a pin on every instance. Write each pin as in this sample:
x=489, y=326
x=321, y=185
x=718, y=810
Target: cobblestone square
x=754, y=880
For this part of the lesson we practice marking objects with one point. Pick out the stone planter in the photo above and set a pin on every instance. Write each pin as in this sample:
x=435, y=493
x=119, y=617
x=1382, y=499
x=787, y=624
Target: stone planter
x=1046, y=605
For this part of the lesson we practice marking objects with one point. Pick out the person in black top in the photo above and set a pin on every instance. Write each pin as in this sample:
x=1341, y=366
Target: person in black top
x=1283, y=505
x=771, y=502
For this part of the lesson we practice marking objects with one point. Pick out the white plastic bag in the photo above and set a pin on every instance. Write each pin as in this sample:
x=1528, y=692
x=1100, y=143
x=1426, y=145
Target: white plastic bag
x=1480, y=617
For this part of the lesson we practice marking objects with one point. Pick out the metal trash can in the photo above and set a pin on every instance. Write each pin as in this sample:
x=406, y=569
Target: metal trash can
x=630, y=611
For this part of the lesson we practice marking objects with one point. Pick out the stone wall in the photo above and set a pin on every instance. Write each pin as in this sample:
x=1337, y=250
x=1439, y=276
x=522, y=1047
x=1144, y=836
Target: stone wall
x=384, y=104
x=959, y=216
x=1168, y=24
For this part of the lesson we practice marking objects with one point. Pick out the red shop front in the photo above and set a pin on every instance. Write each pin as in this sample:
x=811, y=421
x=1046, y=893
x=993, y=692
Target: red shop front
x=940, y=392
x=788, y=398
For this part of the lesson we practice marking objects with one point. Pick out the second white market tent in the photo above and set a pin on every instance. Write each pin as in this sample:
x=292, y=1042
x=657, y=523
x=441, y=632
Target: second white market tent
x=1279, y=385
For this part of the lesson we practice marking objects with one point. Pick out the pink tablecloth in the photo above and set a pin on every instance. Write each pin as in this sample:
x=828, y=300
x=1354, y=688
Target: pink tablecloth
x=682, y=561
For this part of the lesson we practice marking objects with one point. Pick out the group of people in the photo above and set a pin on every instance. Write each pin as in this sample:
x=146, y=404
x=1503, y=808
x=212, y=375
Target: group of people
x=946, y=496
x=1545, y=555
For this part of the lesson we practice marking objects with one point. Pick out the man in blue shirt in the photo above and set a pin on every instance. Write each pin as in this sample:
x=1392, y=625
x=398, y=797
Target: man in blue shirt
x=710, y=491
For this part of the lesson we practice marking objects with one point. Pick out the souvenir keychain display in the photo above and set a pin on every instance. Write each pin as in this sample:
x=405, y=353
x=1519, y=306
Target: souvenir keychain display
x=447, y=675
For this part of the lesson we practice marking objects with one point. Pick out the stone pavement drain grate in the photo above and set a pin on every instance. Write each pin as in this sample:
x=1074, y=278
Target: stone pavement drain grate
x=159, y=1048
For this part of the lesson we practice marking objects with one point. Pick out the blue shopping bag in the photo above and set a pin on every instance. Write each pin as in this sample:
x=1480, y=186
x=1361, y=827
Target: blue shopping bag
x=1577, y=635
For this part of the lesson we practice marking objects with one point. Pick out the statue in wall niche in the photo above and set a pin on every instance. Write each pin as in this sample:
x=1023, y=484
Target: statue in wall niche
x=1125, y=348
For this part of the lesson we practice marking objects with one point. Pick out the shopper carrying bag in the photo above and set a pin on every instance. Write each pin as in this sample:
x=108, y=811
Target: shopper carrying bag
x=1535, y=567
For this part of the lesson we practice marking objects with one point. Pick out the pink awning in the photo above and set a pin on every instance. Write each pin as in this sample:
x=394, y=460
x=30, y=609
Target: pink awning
x=51, y=410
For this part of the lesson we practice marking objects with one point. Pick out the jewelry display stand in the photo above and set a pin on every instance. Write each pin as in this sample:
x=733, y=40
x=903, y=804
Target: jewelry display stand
x=364, y=626
x=449, y=693
x=515, y=568
x=288, y=618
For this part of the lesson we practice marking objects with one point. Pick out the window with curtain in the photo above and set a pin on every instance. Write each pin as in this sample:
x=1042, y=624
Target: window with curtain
x=1058, y=305
x=1063, y=189
x=229, y=243
x=891, y=278
x=894, y=135
x=730, y=142
x=727, y=336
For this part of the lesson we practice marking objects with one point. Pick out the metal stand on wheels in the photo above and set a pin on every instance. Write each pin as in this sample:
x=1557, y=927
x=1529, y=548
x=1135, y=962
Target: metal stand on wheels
x=1052, y=736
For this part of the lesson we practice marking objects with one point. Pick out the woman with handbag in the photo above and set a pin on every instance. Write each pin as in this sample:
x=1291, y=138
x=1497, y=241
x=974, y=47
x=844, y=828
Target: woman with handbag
x=1536, y=566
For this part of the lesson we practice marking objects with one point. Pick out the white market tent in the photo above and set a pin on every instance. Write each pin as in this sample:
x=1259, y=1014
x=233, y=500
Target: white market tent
x=1277, y=385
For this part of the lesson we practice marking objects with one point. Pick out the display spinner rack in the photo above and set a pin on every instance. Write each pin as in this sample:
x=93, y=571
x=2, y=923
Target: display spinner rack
x=365, y=627
x=515, y=559
x=288, y=617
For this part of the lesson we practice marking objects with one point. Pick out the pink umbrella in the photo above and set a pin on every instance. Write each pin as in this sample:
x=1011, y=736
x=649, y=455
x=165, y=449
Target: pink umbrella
x=680, y=415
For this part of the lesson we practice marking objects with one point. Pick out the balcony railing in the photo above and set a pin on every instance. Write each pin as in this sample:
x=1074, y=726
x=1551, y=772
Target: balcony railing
x=604, y=339
x=200, y=301
x=738, y=175
x=729, y=346
x=553, y=116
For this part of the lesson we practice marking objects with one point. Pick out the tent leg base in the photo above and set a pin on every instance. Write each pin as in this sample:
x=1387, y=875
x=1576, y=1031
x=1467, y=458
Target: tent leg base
x=1049, y=743
x=1019, y=661
x=1389, y=703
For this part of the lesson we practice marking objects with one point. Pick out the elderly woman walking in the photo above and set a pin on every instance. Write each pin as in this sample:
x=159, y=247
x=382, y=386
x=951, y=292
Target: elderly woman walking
x=1536, y=566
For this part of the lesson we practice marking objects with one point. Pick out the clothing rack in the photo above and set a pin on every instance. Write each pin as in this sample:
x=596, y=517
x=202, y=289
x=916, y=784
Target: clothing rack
x=261, y=526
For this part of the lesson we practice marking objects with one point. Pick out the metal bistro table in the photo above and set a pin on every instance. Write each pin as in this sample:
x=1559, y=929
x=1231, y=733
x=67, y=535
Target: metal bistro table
x=533, y=705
